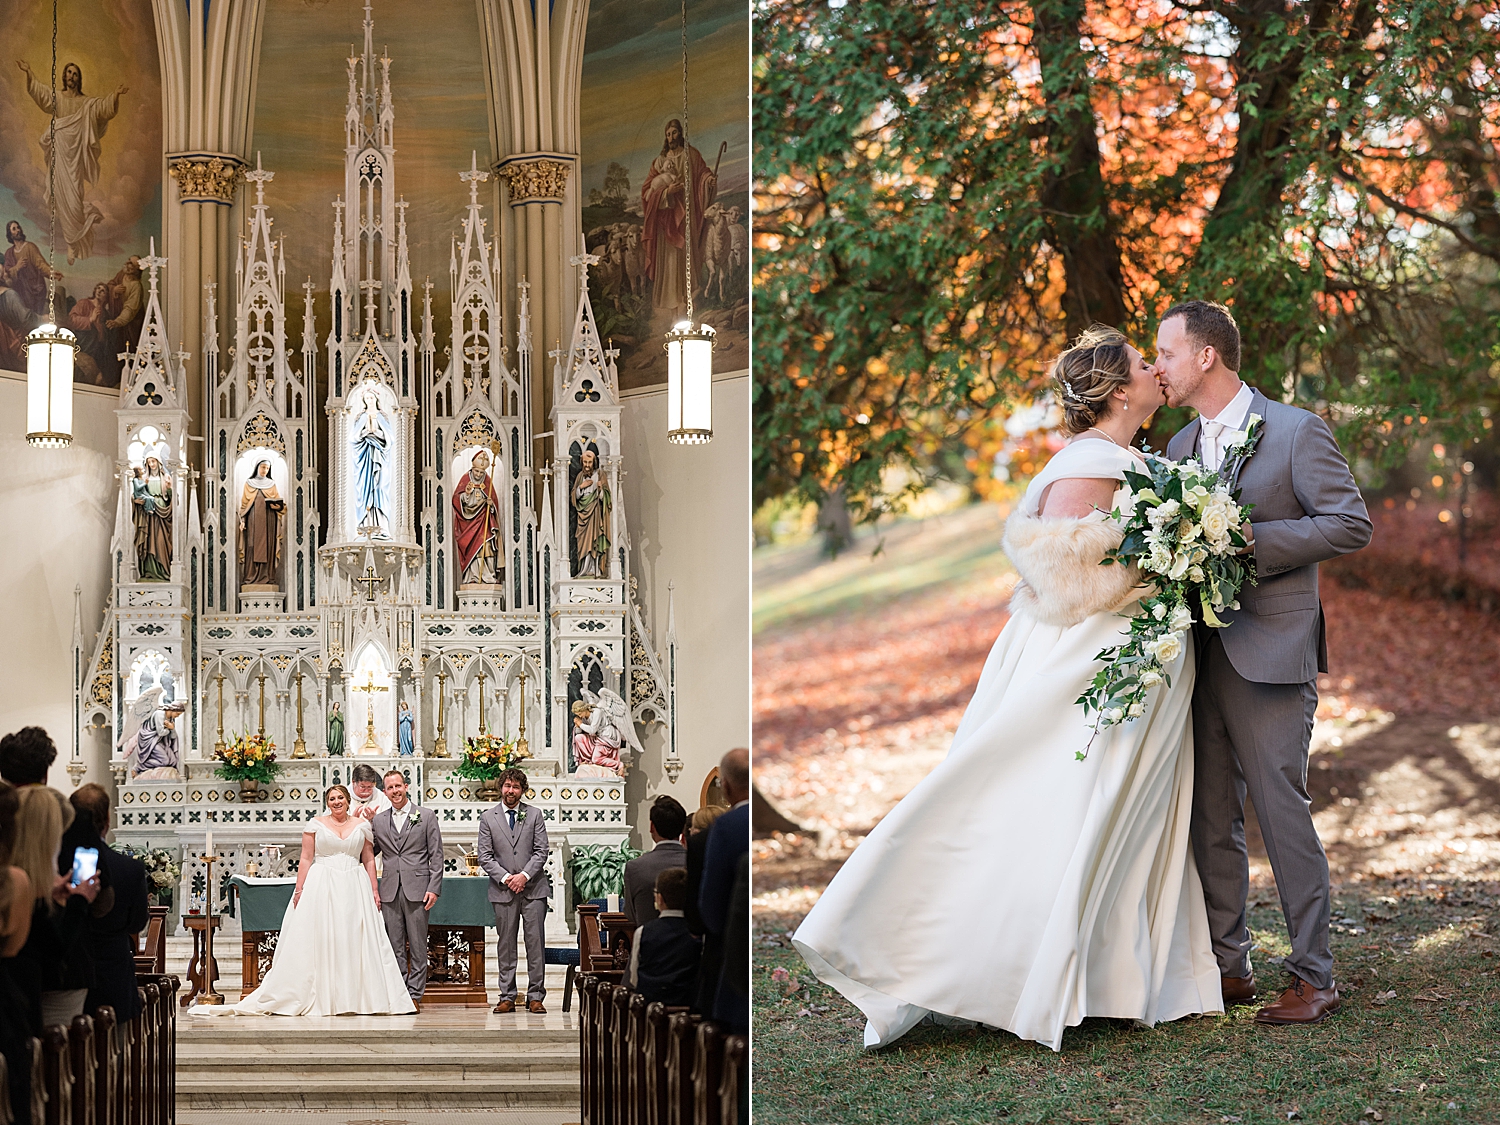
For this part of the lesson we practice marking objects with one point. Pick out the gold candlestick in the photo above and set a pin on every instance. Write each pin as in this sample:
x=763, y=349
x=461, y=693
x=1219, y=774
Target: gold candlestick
x=521, y=744
x=261, y=723
x=219, y=746
x=206, y=993
x=299, y=746
x=481, y=693
x=440, y=744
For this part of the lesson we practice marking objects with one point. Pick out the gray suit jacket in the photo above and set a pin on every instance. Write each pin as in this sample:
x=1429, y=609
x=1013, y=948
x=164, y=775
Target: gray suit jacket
x=1307, y=510
x=640, y=879
x=411, y=860
x=502, y=852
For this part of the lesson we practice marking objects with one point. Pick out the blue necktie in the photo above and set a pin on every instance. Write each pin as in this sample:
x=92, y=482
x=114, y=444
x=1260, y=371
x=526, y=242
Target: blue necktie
x=512, y=813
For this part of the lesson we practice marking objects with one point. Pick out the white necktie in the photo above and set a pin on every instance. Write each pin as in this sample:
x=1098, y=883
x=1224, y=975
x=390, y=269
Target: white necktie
x=1213, y=456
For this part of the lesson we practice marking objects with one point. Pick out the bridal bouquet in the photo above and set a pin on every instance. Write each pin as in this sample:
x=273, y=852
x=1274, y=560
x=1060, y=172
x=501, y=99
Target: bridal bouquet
x=250, y=757
x=1181, y=525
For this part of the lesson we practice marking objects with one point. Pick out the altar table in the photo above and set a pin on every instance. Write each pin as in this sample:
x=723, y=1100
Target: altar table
x=455, y=935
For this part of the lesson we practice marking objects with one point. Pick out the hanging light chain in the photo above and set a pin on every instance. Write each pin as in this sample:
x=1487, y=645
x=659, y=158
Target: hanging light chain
x=52, y=182
x=688, y=184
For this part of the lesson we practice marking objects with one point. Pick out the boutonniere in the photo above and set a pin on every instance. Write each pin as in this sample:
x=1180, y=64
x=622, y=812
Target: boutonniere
x=416, y=815
x=1239, y=446
x=521, y=815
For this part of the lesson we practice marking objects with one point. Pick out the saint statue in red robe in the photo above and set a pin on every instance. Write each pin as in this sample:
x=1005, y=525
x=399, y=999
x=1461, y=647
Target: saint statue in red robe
x=476, y=525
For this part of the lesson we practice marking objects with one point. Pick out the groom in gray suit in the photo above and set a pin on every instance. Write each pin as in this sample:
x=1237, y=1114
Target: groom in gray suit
x=1256, y=690
x=410, y=845
x=513, y=853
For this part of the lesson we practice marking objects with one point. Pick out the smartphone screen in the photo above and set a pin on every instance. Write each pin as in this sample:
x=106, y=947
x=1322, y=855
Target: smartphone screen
x=85, y=864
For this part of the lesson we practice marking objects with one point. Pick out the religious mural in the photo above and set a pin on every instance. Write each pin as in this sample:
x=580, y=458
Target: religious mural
x=108, y=139
x=438, y=73
x=641, y=176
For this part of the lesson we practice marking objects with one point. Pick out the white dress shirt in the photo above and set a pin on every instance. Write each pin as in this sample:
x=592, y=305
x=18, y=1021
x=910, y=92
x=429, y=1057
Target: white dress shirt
x=398, y=816
x=1212, y=431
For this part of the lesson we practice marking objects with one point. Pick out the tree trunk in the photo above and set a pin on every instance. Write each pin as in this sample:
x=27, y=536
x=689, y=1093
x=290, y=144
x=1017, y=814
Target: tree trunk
x=1075, y=205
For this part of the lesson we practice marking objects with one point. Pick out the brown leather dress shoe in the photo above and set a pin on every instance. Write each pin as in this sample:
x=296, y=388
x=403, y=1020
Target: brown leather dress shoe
x=1301, y=1003
x=504, y=1007
x=536, y=1006
x=1237, y=990
x=417, y=1004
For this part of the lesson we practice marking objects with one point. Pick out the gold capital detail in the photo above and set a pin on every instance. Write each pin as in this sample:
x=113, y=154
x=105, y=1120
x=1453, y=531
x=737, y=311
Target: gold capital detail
x=206, y=177
x=535, y=179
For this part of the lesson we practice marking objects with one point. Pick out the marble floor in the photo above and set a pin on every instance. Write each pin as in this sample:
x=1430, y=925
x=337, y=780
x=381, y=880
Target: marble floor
x=518, y=1116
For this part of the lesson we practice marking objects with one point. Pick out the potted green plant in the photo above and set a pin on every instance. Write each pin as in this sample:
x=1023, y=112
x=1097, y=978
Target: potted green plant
x=251, y=760
x=599, y=870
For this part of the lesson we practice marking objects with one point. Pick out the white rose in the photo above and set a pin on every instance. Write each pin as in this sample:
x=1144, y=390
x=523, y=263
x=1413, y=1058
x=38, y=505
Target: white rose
x=1234, y=605
x=1215, y=520
x=1158, y=611
x=1195, y=574
x=1151, y=679
x=1166, y=648
x=1159, y=559
x=1137, y=710
x=1182, y=619
x=1113, y=715
x=1187, y=530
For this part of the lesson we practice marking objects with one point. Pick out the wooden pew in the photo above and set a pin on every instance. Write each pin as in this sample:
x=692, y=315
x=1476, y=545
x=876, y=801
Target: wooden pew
x=588, y=986
x=107, y=1067
x=84, y=1062
x=732, y=1083
x=133, y=1079
x=151, y=943
x=38, y=1081
x=635, y=1053
x=707, y=1072
x=620, y=1058
x=6, y=1117
x=657, y=1017
x=681, y=1035
x=57, y=1074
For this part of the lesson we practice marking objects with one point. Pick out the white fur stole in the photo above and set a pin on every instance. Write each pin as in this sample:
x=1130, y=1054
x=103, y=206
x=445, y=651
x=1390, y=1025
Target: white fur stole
x=1057, y=558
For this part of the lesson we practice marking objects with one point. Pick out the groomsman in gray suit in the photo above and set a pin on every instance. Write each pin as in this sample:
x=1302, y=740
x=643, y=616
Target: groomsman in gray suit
x=513, y=853
x=1256, y=691
x=411, y=849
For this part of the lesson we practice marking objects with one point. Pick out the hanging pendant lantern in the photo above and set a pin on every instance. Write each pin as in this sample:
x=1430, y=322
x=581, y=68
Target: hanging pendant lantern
x=49, y=348
x=690, y=384
x=49, y=386
x=690, y=345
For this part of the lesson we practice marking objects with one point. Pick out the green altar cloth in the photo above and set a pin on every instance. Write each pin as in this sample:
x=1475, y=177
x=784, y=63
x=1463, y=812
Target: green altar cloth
x=464, y=902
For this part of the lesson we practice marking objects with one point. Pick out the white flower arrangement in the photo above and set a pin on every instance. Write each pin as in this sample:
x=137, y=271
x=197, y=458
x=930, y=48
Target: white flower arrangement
x=1181, y=524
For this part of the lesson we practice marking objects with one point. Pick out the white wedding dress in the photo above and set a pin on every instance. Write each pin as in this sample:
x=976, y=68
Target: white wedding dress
x=1016, y=887
x=333, y=956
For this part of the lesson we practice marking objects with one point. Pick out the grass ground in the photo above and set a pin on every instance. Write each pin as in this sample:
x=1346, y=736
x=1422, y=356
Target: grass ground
x=863, y=667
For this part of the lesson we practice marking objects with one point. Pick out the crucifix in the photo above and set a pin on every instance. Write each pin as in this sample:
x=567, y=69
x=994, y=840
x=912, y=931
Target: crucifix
x=370, y=288
x=369, y=689
x=369, y=581
x=261, y=724
x=299, y=747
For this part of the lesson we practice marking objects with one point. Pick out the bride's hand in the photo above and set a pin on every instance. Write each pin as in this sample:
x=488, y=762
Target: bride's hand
x=377, y=898
x=296, y=898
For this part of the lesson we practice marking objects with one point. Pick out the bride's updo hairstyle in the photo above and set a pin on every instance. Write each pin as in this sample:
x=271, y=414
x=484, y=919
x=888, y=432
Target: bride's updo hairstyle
x=1091, y=369
x=332, y=789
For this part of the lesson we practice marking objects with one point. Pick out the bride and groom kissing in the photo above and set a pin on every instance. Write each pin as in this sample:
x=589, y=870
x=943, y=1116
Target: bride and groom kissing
x=1018, y=887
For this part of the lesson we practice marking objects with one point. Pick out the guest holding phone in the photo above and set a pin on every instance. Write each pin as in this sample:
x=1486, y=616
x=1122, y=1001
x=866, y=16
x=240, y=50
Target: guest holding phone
x=54, y=967
x=120, y=912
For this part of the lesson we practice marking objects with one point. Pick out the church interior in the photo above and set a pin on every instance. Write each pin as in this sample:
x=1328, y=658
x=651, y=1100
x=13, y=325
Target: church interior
x=376, y=393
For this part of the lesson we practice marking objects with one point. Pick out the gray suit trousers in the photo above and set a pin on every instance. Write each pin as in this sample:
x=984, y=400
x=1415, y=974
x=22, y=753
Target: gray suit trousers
x=1252, y=737
x=531, y=913
x=406, y=924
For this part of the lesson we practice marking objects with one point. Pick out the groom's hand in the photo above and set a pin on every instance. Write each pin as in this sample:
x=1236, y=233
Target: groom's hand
x=1248, y=533
x=427, y=900
x=517, y=882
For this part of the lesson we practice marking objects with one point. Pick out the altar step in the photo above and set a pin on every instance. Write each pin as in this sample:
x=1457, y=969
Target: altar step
x=439, y=1060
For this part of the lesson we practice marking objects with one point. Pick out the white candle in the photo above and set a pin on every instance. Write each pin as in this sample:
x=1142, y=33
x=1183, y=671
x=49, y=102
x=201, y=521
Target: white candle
x=208, y=847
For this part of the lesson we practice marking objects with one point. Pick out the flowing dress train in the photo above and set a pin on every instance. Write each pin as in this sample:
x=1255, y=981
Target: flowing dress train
x=1016, y=887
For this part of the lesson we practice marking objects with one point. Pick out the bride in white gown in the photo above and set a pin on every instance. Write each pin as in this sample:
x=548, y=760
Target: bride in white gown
x=333, y=956
x=1016, y=887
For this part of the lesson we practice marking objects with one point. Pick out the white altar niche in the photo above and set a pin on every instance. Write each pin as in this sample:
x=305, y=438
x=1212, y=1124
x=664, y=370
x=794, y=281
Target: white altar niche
x=259, y=529
x=372, y=440
x=370, y=720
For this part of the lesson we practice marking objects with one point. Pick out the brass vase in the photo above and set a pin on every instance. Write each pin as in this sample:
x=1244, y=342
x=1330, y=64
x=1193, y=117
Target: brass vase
x=489, y=789
x=249, y=790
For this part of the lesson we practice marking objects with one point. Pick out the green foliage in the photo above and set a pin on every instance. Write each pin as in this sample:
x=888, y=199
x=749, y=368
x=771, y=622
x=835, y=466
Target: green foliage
x=599, y=870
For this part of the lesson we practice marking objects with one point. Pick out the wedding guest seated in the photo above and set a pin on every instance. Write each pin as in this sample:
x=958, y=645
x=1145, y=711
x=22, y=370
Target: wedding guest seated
x=664, y=960
x=668, y=818
x=15, y=924
x=111, y=938
x=369, y=799
x=697, y=844
x=25, y=757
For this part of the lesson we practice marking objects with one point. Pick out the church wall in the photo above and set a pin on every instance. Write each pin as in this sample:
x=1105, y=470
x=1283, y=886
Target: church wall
x=58, y=507
x=688, y=508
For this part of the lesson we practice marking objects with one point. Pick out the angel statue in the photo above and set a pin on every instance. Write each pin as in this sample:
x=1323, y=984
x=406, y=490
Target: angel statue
x=151, y=744
x=601, y=728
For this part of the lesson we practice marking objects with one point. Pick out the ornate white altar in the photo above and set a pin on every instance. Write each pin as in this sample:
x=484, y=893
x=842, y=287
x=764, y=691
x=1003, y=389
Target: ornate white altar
x=276, y=610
